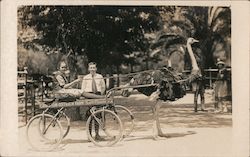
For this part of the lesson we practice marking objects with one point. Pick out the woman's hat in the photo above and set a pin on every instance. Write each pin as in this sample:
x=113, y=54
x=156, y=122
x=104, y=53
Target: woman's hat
x=220, y=62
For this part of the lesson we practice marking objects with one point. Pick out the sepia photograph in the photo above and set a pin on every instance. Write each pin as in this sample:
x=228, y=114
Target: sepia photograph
x=125, y=80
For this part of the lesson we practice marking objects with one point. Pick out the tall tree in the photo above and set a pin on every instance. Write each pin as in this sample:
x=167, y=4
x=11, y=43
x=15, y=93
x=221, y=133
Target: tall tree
x=102, y=33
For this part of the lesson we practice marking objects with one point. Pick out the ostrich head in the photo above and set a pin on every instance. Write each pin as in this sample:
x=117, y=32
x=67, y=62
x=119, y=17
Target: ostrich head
x=191, y=41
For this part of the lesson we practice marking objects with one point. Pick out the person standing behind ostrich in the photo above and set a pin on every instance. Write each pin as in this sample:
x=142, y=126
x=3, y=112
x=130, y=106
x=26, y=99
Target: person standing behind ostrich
x=221, y=87
x=199, y=84
x=197, y=75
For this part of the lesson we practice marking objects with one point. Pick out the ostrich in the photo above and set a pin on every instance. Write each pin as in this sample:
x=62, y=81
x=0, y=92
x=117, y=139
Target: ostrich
x=170, y=86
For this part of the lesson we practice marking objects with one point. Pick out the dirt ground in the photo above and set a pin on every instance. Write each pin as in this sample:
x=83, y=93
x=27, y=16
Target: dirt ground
x=190, y=134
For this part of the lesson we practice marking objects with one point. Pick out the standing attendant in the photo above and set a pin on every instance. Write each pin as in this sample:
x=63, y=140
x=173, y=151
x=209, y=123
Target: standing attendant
x=198, y=87
x=196, y=77
x=93, y=83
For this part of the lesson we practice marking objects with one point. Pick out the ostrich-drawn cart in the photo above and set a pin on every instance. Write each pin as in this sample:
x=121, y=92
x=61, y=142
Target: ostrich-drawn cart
x=163, y=84
x=46, y=130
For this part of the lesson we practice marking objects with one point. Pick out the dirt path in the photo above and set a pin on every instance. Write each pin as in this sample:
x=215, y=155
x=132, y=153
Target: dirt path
x=191, y=134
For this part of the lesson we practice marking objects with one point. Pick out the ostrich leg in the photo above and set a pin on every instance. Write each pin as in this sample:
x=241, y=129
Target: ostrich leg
x=157, y=132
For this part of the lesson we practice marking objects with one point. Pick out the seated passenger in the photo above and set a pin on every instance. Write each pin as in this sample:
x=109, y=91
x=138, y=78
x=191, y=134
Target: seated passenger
x=62, y=85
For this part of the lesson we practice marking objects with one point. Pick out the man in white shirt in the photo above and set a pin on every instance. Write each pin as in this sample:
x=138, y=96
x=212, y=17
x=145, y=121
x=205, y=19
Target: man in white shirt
x=93, y=83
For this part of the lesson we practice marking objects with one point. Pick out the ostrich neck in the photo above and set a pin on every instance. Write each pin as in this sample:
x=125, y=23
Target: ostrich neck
x=193, y=60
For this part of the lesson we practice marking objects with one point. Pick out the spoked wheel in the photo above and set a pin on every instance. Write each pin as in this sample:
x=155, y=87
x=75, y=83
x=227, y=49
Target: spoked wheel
x=63, y=119
x=65, y=122
x=127, y=119
x=44, y=132
x=110, y=128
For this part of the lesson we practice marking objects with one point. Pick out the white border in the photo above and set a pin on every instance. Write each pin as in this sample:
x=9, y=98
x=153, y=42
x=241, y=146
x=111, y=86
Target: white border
x=122, y=2
x=240, y=77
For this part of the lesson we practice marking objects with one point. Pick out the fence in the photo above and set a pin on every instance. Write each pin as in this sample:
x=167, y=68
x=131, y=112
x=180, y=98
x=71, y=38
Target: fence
x=211, y=76
x=26, y=94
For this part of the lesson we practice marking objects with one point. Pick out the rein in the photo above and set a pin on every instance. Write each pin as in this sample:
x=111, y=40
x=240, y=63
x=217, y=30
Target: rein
x=140, y=72
x=145, y=71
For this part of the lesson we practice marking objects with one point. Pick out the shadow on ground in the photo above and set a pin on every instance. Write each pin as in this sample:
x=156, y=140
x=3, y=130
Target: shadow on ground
x=175, y=115
x=167, y=135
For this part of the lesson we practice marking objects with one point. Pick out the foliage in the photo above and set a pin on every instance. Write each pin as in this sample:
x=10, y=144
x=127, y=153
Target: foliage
x=117, y=36
x=103, y=34
x=210, y=25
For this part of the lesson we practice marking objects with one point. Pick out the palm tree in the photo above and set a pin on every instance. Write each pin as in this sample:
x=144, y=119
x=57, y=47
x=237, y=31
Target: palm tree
x=211, y=25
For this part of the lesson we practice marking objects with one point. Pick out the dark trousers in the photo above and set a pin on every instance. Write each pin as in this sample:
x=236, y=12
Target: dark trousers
x=93, y=119
x=200, y=90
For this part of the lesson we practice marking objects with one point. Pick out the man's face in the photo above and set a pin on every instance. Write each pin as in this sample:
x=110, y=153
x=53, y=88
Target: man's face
x=92, y=69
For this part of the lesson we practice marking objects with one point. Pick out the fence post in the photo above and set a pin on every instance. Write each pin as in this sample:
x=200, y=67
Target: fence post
x=210, y=78
x=33, y=98
x=25, y=94
x=118, y=80
x=42, y=88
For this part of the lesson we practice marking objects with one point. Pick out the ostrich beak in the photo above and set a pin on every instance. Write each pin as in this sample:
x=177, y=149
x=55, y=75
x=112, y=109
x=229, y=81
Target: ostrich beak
x=196, y=41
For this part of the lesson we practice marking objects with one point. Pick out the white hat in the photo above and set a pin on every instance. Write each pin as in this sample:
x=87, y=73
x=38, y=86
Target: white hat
x=220, y=62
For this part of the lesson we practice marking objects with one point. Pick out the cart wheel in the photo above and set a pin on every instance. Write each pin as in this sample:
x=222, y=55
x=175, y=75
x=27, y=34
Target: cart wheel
x=110, y=128
x=44, y=132
x=127, y=119
x=64, y=121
